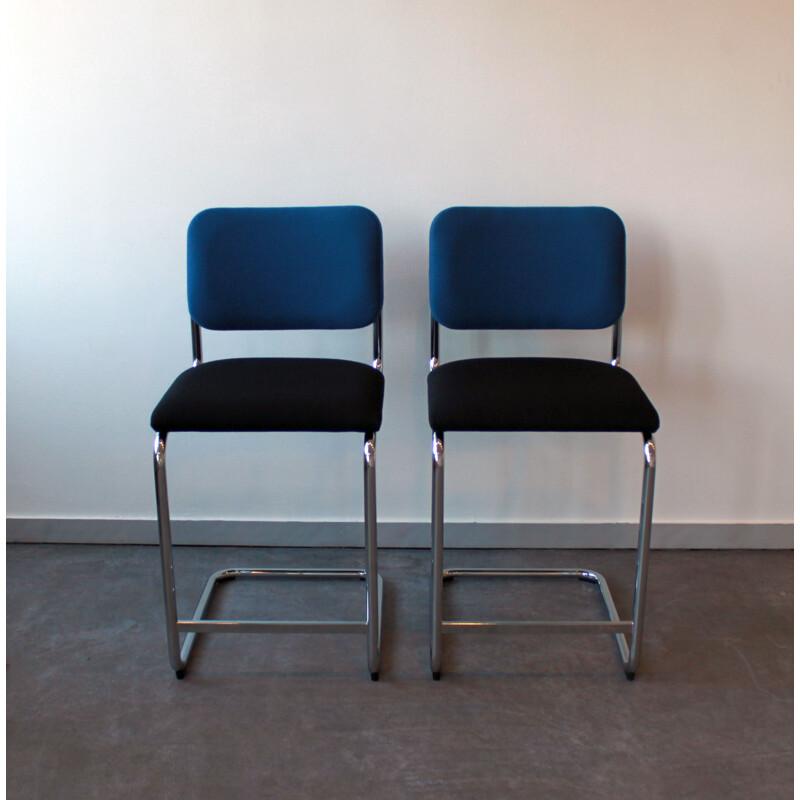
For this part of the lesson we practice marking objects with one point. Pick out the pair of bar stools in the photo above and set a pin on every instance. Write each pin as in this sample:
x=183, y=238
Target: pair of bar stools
x=322, y=268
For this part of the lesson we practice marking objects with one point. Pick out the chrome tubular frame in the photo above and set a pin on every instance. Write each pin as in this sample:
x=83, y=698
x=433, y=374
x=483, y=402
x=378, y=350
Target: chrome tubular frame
x=371, y=625
x=197, y=345
x=165, y=542
x=377, y=344
x=374, y=610
x=616, y=344
x=642, y=558
x=437, y=553
x=434, y=361
x=614, y=625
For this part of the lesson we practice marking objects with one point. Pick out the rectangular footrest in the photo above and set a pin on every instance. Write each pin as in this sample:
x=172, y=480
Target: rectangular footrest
x=200, y=625
x=613, y=625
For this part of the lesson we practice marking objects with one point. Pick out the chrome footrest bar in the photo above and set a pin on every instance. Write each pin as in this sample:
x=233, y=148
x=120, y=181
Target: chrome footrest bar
x=613, y=625
x=522, y=572
x=280, y=572
x=536, y=626
x=268, y=626
x=198, y=624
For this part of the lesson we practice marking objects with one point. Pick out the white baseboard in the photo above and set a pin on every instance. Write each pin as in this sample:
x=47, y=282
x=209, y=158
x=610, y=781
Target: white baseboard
x=757, y=536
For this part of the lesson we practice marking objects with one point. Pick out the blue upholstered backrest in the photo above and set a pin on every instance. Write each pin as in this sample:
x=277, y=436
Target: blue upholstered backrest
x=540, y=268
x=285, y=268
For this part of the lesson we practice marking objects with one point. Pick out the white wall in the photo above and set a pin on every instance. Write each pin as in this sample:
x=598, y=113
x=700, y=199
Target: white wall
x=127, y=118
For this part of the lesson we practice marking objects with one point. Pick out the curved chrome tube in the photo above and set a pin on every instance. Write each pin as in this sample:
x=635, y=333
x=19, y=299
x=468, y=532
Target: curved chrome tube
x=159, y=450
x=437, y=449
x=369, y=451
x=650, y=452
x=179, y=654
x=620, y=628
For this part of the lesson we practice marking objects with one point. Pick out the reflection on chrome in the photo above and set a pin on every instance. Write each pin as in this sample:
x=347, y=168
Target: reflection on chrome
x=437, y=448
x=377, y=344
x=197, y=345
x=616, y=344
x=434, y=359
x=369, y=452
x=650, y=452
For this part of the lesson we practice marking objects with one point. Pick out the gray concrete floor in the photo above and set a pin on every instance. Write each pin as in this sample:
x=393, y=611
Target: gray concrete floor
x=93, y=710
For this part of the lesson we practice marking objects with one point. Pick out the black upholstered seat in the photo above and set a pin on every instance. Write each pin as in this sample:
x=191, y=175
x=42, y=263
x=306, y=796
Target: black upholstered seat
x=273, y=394
x=537, y=394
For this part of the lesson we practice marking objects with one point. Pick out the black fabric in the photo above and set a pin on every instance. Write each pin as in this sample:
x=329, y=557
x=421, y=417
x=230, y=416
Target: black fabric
x=273, y=394
x=537, y=394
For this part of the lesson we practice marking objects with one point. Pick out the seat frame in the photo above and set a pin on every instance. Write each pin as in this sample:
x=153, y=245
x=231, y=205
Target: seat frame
x=621, y=629
x=370, y=625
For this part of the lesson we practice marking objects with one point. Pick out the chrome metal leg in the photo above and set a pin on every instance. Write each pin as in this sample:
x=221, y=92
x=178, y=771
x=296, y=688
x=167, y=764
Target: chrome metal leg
x=622, y=629
x=198, y=623
x=165, y=541
x=643, y=555
x=371, y=547
x=437, y=554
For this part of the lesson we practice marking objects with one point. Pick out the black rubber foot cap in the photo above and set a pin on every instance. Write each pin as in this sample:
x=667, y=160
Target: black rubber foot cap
x=179, y=673
x=630, y=675
x=436, y=676
x=374, y=675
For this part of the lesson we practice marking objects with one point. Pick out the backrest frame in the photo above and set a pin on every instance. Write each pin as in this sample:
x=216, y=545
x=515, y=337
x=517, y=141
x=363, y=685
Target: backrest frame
x=377, y=344
x=616, y=344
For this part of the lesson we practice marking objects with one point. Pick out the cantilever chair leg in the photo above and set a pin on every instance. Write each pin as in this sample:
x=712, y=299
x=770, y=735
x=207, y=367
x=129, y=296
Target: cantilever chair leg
x=642, y=560
x=630, y=655
x=167, y=570
x=437, y=548
x=374, y=594
x=371, y=624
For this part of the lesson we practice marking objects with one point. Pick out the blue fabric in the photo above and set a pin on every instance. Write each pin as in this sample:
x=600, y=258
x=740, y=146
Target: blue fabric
x=285, y=268
x=505, y=268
